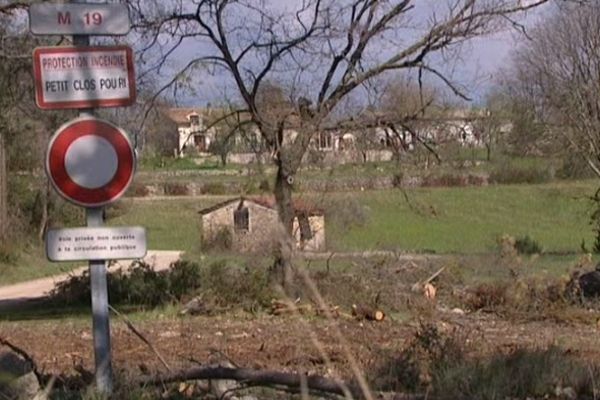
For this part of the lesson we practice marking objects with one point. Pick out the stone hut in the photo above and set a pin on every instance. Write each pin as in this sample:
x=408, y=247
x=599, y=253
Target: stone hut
x=252, y=225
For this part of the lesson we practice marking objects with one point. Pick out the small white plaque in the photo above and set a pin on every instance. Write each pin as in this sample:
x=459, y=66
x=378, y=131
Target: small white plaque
x=102, y=243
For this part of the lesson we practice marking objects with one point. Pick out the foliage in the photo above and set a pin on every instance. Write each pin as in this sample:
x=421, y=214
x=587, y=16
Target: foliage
x=247, y=287
x=175, y=189
x=216, y=188
x=436, y=362
x=509, y=174
x=527, y=245
x=140, y=285
x=222, y=240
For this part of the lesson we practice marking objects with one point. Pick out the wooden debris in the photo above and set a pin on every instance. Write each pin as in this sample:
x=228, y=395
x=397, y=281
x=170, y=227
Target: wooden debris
x=419, y=286
x=368, y=313
x=254, y=377
x=281, y=307
x=429, y=291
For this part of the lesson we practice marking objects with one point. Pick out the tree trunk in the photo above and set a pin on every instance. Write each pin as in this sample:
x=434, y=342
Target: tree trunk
x=282, y=271
x=3, y=191
x=488, y=148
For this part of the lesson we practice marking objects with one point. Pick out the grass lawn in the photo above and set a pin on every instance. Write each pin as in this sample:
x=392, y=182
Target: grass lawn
x=442, y=220
x=170, y=224
x=469, y=220
x=461, y=220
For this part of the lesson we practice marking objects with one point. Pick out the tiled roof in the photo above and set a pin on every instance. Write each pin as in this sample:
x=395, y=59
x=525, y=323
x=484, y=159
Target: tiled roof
x=180, y=115
x=300, y=206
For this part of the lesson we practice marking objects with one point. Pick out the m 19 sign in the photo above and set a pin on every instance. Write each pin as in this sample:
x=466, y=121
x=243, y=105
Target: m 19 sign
x=79, y=19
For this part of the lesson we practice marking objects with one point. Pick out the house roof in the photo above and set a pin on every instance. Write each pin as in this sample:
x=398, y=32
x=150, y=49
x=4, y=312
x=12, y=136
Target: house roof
x=300, y=206
x=180, y=115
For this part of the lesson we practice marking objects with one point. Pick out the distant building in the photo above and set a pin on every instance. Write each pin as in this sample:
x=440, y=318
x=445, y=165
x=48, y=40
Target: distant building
x=192, y=124
x=252, y=225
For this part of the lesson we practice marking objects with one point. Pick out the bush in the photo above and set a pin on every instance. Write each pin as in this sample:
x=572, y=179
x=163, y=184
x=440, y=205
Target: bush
x=176, y=189
x=221, y=241
x=230, y=286
x=138, y=190
x=116, y=210
x=436, y=363
x=8, y=254
x=527, y=245
x=446, y=180
x=508, y=174
x=347, y=213
x=575, y=167
x=141, y=285
x=264, y=186
x=213, y=188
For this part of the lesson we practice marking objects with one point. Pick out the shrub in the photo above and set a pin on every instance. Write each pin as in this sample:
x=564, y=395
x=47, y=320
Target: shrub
x=139, y=190
x=436, y=362
x=347, y=213
x=523, y=373
x=176, y=189
x=264, y=185
x=222, y=240
x=141, y=285
x=8, y=254
x=397, y=180
x=527, y=245
x=575, y=167
x=213, y=188
x=116, y=210
x=446, y=180
x=230, y=286
x=508, y=174
x=184, y=278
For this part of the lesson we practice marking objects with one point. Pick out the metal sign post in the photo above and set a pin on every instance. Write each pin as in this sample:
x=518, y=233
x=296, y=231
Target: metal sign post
x=98, y=287
x=89, y=162
x=100, y=317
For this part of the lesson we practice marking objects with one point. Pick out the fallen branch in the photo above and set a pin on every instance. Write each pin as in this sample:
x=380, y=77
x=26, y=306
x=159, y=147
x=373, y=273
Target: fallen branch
x=25, y=356
x=133, y=329
x=418, y=287
x=255, y=378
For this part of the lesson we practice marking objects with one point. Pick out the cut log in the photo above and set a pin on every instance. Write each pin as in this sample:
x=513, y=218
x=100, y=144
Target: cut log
x=429, y=291
x=368, y=313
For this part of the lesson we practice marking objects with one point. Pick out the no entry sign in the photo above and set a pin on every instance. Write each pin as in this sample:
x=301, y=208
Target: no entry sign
x=90, y=162
x=83, y=77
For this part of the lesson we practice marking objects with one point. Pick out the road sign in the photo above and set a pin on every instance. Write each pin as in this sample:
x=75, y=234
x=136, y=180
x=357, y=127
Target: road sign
x=90, y=162
x=83, y=77
x=79, y=19
x=105, y=243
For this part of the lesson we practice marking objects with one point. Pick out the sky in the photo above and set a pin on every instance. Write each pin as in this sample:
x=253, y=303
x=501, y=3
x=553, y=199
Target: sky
x=481, y=61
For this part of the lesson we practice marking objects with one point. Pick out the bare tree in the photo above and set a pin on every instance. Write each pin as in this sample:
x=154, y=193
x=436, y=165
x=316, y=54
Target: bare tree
x=324, y=49
x=555, y=77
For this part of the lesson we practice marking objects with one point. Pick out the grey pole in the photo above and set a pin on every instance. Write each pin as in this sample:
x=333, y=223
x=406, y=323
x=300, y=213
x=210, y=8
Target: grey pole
x=99, y=290
x=100, y=317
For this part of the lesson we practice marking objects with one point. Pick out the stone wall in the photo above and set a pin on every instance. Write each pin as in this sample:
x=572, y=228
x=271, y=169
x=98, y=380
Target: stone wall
x=261, y=234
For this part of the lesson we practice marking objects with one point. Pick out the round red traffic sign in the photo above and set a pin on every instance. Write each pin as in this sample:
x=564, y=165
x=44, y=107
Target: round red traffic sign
x=90, y=162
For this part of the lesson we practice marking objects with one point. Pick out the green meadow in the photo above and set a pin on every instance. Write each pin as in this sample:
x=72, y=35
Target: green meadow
x=441, y=220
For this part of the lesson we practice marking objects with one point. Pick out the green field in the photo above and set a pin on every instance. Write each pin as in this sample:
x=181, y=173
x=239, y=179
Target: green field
x=442, y=220
x=469, y=220
x=458, y=220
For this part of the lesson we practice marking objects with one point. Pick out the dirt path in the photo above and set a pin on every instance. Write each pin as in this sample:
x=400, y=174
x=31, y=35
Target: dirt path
x=38, y=288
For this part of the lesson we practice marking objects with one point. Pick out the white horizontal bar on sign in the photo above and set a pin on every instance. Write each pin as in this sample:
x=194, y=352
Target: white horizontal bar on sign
x=79, y=19
x=101, y=243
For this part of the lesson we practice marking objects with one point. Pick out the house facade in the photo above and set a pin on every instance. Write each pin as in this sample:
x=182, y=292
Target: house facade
x=193, y=133
x=195, y=136
x=252, y=225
